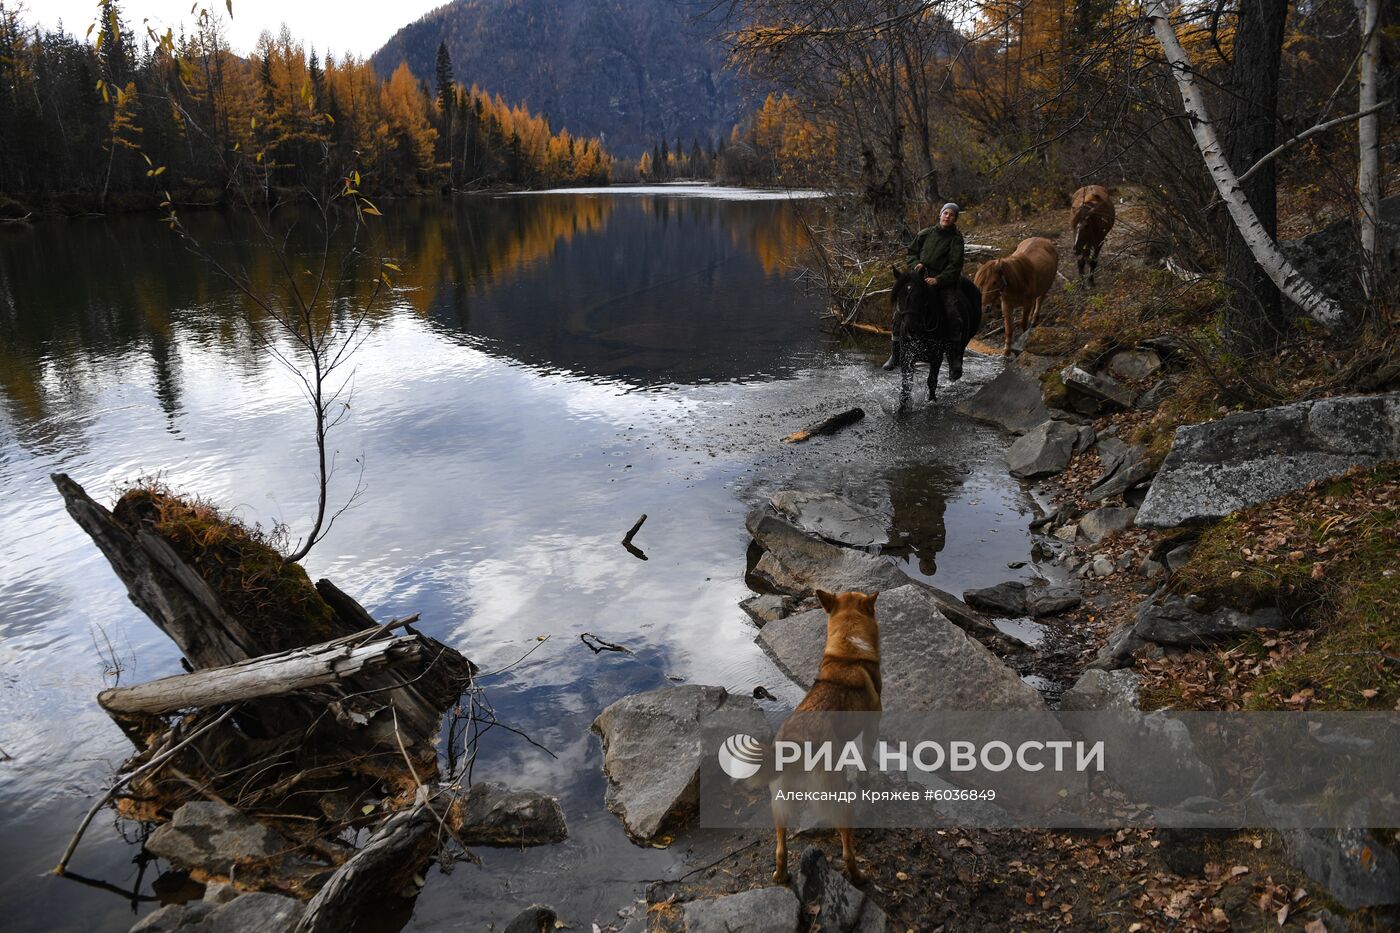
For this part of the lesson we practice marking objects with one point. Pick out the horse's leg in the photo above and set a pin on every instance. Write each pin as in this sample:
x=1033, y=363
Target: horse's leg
x=1033, y=313
x=1094, y=261
x=1006, y=326
x=935, y=360
x=906, y=374
x=1081, y=259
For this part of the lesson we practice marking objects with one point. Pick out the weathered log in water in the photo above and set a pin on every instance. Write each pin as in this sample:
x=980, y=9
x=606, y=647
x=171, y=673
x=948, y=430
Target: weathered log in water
x=829, y=426
x=269, y=675
x=386, y=864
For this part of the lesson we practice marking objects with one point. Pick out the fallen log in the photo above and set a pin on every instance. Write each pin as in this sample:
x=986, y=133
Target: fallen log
x=269, y=675
x=386, y=864
x=829, y=426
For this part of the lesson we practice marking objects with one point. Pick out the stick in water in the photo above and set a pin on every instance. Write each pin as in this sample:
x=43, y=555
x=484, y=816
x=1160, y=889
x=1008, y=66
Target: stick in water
x=829, y=426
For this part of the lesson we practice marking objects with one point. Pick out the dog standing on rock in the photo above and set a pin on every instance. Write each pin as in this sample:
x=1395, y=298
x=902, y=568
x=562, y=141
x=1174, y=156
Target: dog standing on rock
x=848, y=681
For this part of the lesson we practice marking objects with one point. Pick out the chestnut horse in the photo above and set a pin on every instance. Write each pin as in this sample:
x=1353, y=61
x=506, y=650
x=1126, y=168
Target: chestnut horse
x=1019, y=280
x=1090, y=217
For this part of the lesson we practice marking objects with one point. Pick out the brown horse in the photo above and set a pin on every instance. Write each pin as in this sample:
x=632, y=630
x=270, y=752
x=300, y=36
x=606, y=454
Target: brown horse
x=1090, y=217
x=1019, y=280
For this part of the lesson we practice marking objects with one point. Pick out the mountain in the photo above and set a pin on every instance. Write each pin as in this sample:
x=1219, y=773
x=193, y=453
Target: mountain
x=631, y=71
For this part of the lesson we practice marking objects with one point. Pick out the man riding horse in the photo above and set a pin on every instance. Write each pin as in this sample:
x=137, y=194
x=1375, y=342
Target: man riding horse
x=937, y=253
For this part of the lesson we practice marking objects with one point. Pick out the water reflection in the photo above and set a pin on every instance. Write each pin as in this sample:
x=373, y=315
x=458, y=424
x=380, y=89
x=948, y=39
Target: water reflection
x=649, y=290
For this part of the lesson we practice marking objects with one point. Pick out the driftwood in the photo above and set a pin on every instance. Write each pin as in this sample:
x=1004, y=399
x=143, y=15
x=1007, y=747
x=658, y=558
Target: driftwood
x=829, y=426
x=269, y=675
x=387, y=863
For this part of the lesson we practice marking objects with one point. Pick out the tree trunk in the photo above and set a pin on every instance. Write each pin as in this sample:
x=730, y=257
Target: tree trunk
x=1254, y=316
x=269, y=675
x=1294, y=286
x=1368, y=175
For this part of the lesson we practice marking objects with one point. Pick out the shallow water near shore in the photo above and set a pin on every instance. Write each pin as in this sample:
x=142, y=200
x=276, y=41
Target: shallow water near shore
x=548, y=369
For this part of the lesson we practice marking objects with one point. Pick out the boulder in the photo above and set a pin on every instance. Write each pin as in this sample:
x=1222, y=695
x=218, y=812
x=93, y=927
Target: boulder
x=1214, y=469
x=1102, y=567
x=1134, y=364
x=1118, y=651
x=1356, y=868
x=798, y=563
x=495, y=815
x=1043, y=450
x=1100, y=523
x=1170, y=621
x=1105, y=390
x=1044, y=601
x=1102, y=690
x=1003, y=599
x=214, y=837
x=762, y=910
x=537, y=918
x=1156, y=394
x=1012, y=400
x=1329, y=256
x=765, y=608
x=256, y=913
x=652, y=750
x=839, y=905
x=927, y=662
x=1177, y=557
x=1124, y=466
x=173, y=917
x=831, y=517
x=1015, y=598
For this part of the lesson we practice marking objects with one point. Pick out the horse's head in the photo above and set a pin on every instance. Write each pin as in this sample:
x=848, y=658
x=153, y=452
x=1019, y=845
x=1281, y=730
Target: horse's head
x=991, y=282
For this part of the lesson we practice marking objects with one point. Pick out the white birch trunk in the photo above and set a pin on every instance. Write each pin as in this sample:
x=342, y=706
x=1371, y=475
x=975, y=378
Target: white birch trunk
x=1290, y=281
x=1368, y=175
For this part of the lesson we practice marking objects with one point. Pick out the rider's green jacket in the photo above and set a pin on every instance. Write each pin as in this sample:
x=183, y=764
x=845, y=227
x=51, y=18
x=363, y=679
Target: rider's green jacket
x=941, y=252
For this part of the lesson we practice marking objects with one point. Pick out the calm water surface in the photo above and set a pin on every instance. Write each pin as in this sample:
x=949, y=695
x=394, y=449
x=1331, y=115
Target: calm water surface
x=548, y=368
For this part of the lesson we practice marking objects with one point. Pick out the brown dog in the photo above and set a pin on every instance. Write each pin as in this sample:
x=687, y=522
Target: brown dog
x=848, y=681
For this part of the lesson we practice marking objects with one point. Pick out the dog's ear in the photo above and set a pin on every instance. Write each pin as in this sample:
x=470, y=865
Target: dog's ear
x=870, y=601
x=827, y=600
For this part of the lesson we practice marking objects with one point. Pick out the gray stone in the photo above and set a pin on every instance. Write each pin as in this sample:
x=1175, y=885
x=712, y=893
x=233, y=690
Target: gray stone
x=216, y=892
x=214, y=837
x=1329, y=256
x=927, y=663
x=1134, y=364
x=798, y=564
x=835, y=902
x=762, y=910
x=1124, y=466
x=1118, y=651
x=537, y=918
x=1102, y=566
x=1357, y=870
x=653, y=748
x=1169, y=621
x=1150, y=568
x=1003, y=599
x=1044, y=601
x=1012, y=400
x=172, y=917
x=1214, y=469
x=1102, y=690
x=1100, y=523
x=831, y=517
x=1068, y=533
x=1156, y=394
x=1043, y=450
x=765, y=608
x=495, y=815
x=1086, y=438
x=256, y=913
x=1105, y=390
x=1177, y=557
x=1167, y=345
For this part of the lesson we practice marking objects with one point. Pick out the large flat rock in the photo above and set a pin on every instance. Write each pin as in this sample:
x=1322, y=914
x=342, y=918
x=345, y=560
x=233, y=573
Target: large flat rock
x=797, y=563
x=1214, y=469
x=1043, y=450
x=762, y=910
x=652, y=750
x=1012, y=400
x=927, y=662
x=831, y=517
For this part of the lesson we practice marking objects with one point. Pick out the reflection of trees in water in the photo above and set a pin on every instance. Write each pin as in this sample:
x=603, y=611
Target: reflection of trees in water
x=77, y=293
x=919, y=495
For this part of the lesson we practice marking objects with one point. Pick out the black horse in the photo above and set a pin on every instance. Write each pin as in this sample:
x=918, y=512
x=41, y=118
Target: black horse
x=924, y=332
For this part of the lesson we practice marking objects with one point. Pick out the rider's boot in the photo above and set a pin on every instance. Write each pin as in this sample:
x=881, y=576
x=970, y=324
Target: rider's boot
x=893, y=361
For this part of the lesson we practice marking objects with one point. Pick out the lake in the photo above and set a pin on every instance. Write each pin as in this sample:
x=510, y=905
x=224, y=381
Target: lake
x=547, y=368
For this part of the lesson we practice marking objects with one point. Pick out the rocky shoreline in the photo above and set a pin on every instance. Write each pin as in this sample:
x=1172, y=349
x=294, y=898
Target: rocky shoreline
x=1117, y=527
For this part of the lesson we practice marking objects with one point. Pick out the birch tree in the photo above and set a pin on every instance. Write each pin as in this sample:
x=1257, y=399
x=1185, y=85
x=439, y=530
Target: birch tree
x=1368, y=176
x=1290, y=282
